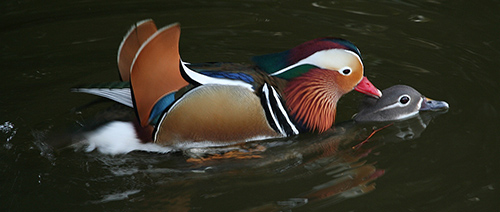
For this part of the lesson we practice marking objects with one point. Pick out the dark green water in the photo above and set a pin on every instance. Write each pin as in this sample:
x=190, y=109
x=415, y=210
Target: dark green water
x=448, y=50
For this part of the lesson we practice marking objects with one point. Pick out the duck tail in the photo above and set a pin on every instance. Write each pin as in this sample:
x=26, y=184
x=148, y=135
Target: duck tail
x=116, y=91
x=155, y=71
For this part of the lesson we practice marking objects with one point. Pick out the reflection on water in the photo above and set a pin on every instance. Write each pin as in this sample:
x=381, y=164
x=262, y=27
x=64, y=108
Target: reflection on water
x=317, y=171
x=445, y=49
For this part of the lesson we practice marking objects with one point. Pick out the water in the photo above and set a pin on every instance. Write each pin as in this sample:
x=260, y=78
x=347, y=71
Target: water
x=445, y=49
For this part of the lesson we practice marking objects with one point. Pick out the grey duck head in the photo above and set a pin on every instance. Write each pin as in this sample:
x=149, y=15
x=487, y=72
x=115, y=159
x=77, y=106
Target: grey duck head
x=398, y=102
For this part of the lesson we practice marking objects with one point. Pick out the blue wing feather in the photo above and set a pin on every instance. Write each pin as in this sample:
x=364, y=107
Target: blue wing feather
x=229, y=75
x=161, y=106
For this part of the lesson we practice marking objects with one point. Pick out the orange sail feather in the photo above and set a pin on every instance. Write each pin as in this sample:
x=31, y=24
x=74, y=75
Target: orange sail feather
x=155, y=70
x=131, y=43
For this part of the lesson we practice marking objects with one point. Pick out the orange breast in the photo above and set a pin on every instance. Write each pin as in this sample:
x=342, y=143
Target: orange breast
x=216, y=113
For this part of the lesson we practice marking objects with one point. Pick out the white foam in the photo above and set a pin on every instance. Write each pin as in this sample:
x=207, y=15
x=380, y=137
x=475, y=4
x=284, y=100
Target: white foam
x=119, y=137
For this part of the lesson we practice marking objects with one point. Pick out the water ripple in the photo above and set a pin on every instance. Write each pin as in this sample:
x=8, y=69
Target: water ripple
x=7, y=129
x=116, y=196
x=328, y=5
x=419, y=19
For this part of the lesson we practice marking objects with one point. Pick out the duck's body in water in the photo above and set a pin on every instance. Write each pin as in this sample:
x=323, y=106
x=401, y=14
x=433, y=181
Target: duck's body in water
x=399, y=102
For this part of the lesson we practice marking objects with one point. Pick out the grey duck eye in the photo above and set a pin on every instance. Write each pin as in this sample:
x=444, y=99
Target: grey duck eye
x=404, y=99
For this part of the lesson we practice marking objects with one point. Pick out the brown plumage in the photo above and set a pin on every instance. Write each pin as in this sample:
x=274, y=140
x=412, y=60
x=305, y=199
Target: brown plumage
x=204, y=109
x=131, y=43
x=214, y=113
x=312, y=99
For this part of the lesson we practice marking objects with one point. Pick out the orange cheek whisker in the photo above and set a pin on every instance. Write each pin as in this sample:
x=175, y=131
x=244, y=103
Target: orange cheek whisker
x=311, y=99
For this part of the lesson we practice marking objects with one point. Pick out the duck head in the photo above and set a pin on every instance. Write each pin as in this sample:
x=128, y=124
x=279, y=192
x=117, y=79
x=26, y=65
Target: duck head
x=319, y=72
x=398, y=102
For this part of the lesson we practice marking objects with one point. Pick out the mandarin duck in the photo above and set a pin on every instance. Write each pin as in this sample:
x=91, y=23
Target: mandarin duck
x=282, y=94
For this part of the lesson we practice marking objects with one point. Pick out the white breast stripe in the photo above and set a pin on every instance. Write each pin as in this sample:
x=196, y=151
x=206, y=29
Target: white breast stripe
x=276, y=114
x=270, y=109
x=284, y=113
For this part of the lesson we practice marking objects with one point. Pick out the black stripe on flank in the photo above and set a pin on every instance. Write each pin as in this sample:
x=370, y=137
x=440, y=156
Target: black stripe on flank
x=268, y=109
x=271, y=102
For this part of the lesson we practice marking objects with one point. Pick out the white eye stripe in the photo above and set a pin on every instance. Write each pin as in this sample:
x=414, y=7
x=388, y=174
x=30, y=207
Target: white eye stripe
x=322, y=59
x=389, y=106
x=397, y=104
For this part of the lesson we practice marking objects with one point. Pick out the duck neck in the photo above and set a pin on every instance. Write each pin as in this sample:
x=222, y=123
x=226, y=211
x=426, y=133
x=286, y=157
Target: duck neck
x=312, y=100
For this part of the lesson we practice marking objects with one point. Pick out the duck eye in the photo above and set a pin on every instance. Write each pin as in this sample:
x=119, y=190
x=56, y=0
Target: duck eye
x=404, y=99
x=345, y=71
